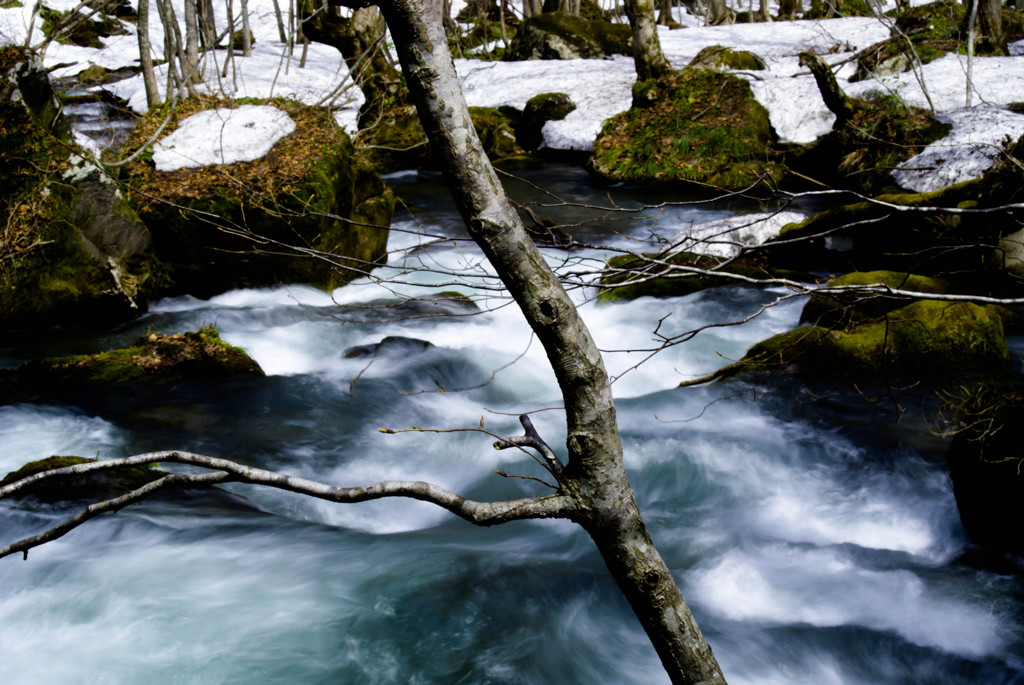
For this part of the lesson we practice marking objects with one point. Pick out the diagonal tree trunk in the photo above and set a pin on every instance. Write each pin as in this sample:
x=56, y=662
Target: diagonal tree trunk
x=595, y=475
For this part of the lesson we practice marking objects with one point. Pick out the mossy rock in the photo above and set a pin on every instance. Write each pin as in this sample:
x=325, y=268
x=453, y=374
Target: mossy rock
x=933, y=30
x=840, y=8
x=721, y=58
x=559, y=35
x=697, y=127
x=927, y=336
x=259, y=223
x=398, y=141
x=985, y=460
x=156, y=360
x=96, y=485
x=71, y=28
x=844, y=309
x=539, y=110
x=74, y=250
x=860, y=155
x=628, y=277
x=866, y=236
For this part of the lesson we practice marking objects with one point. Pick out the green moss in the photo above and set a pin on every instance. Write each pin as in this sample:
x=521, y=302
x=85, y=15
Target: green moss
x=155, y=360
x=70, y=28
x=399, y=142
x=98, y=485
x=628, y=278
x=861, y=155
x=840, y=8
x=697, y=126
x=610, y=38
x=842, y=310
x=304, y=193
x=718, y=57
x=925, y=336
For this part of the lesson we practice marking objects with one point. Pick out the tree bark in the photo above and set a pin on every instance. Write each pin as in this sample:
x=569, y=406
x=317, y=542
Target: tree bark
x=991, y=34
x=246, y=32
x=719, y=13
x=647, y=54
x=192, y=43
x=664, y=12
x=595, y=475
x=838, y=102
x=207, y=24
x=789, y=9
x=145, y=56
x=359, y=40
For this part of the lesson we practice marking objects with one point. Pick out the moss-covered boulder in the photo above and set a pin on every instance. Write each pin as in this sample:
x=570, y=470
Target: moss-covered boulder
x=892, y=234
x=73, y=251
x=830, y=9
x=986, y=460
x=96, y=485
x=932, y=30
x=156, y=360
x=697, y=126
x=398, y=141
x=559, y=35
x=862, y=150
x=539, y=110
x=859, y=304
x=652, y=275
x=927, y=336
x=266, y=221
x=721, y=58
x=82, y=28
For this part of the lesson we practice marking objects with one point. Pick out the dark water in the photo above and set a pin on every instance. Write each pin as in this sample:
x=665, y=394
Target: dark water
x=818, y=542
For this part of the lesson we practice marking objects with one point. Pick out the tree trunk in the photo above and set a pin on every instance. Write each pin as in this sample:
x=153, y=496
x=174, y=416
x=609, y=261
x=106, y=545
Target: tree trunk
x=838, y=102
x=246, y=33
x=145, y=56
x=650, y=61
x=764, y=12
x=664, y=12
x=281, y=33
x=595, y=475
x=789, y=9
x=991, y=35
x=359, y=39
x=207, y=24
x=191, y=66
x=531, y=7
x=719, y=13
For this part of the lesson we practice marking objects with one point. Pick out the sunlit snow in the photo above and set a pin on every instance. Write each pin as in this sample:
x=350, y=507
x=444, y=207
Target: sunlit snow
x=222, y=136
x=601, y=88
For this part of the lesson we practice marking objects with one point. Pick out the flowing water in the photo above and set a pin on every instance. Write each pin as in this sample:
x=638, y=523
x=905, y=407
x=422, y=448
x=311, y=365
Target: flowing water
x=816, y=541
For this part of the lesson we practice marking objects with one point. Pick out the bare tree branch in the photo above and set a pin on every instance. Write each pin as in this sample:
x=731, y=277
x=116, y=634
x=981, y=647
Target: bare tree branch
x=478, y=513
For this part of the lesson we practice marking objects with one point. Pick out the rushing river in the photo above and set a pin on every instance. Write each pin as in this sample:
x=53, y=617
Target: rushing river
x=817, y=542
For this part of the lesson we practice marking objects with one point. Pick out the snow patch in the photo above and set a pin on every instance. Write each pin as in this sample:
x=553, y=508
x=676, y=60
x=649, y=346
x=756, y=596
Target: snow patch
x=725, y=237
x=222, y=136
x=971, y=147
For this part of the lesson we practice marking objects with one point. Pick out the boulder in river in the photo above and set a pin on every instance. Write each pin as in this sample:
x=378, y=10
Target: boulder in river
x=74, y=251
x=925, y=337
x=156, y=360
x=697, y=126
x=310, y=210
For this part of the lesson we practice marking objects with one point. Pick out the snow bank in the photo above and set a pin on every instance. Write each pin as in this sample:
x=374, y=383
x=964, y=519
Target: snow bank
x=971, y=147
x=222, y=136
x=600, y=88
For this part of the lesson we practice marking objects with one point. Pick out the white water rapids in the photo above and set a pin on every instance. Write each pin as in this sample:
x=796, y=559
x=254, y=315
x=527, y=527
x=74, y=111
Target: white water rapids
x=817, y=543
